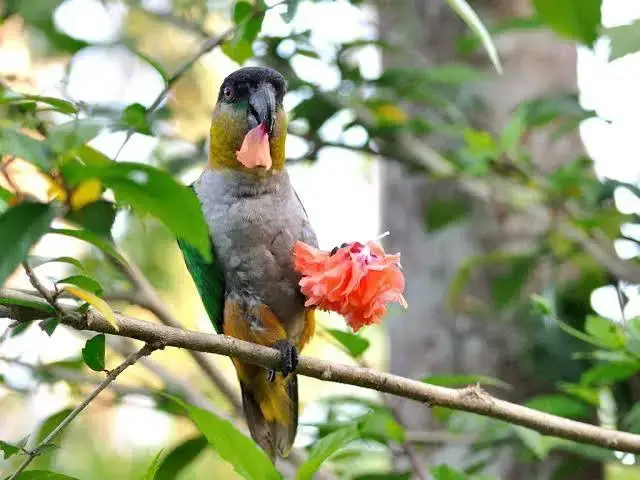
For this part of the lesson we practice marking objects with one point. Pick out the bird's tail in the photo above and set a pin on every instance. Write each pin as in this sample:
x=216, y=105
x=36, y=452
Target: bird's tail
x=271, y=411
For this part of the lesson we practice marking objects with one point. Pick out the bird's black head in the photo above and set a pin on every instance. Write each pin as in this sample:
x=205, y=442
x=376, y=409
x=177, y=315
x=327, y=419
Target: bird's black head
x=248, y=98
x=258, y=89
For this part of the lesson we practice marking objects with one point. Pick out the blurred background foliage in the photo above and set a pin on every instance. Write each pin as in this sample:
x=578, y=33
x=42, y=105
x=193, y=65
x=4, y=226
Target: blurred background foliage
x=399, y=121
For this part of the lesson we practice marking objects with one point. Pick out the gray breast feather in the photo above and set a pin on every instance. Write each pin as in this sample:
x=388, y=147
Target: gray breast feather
x=254, y=224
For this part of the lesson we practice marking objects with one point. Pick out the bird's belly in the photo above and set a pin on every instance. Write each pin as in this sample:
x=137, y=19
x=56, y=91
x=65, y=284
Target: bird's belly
x=255, y=250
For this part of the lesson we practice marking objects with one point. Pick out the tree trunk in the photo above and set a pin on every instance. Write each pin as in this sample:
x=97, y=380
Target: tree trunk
x=427, y=338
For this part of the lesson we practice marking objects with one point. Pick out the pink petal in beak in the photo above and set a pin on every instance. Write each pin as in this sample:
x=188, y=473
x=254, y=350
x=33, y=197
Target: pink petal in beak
x=255, y=150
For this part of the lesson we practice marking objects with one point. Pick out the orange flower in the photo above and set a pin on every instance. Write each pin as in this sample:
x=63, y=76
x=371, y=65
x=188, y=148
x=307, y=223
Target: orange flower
x=357, y=280
x=255, y=149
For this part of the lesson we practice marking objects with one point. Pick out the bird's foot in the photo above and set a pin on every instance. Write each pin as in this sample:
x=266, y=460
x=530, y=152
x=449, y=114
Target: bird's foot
x=289, y=355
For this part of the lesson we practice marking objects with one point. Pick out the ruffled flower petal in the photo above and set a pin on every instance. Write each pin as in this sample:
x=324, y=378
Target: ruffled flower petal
x=356, y=281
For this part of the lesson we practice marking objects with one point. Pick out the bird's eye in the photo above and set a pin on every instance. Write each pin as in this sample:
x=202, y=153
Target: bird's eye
x=228, y=93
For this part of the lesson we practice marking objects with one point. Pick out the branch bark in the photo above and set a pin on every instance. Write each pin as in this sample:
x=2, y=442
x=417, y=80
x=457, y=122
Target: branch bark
x=470, y=399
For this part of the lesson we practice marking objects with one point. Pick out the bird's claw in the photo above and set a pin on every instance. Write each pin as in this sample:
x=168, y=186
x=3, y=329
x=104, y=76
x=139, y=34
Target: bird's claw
x=289, y=355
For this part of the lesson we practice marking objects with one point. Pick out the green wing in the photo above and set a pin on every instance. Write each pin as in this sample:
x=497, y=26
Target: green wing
x=209, y=281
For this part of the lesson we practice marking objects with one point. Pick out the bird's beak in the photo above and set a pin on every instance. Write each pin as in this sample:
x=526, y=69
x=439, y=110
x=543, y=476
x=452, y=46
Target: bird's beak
x=262, y=107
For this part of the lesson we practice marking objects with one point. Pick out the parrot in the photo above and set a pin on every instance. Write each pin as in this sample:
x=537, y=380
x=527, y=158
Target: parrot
x=250, y=290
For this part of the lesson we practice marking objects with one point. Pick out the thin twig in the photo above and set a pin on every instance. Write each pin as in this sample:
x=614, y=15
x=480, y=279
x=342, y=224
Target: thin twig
x=39, y=286
x=470, y=399
x=206, y=47
x=71, y=375
x=130, y=360
x=172, y=382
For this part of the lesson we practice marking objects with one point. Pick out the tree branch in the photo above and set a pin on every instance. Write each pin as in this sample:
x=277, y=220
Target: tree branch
x=130, y=360
x=470, y=399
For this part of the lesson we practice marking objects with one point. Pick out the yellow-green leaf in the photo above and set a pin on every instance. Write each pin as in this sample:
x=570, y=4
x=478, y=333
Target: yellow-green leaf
x=469, y=16
x=96, y=302
x=87, y=192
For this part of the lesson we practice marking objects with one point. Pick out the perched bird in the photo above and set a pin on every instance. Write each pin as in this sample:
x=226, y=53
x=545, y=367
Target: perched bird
x=250, y=290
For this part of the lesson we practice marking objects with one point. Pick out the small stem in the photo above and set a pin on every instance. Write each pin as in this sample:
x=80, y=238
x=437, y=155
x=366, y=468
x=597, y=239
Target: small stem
x=206, y=47
x=38, y=285
x=130, y=360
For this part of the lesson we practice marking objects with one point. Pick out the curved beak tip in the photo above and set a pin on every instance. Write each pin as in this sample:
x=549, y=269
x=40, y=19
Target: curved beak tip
x=262, y=104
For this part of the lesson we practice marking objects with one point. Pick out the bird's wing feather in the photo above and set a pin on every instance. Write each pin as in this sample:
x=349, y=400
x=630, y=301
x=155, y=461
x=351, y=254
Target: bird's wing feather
x=209, y=281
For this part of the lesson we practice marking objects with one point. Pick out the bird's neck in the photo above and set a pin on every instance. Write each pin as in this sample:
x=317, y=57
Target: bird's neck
x=241, y=184
x=225, y=139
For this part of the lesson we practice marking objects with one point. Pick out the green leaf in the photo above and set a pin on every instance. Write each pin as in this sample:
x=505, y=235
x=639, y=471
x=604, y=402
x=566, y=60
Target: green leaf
x=353, y=343
x=324, y=448
x=382, y=426
x=292, y=8
x=575, y=19
x=93, y=353
x=57, y=104
x=135, y=118
x=50, y=423
x=152, y=469
x=469, y=16
x=240, y=451
x=625, y=39
x=97, y=217
x=608, y=373
x=74, y=167
x=586, y=394
x=49, y=325
x=44, y=475
x=541, y=305
x=631, y=421
x=560, y=405
x=443, y=212
x=106, y=246
x=40, y=15
x=155, y=192
x=36, y=304
x=507, y=288
x=539, y=444
x=8, y=450
x=316, y=110
x=5, y=198
x=157, y=66
x=606, y=332
x=445, y=472
x=180, y=457
x=20, y=228
x=20, y=329
x=241, y=11
x=384, y=476
x=464, y=380
x=248, y=20
x=23, y=146
x=36, y=261
x=71, y=135
x=84, y=282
